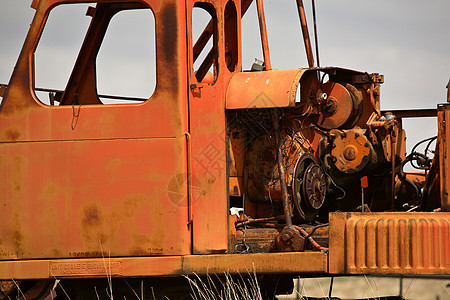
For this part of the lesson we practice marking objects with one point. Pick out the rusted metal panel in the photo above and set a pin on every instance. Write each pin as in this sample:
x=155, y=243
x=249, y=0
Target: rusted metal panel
x=76, y=191
x=261, y=263
x=390, y=243
x=72, y=199
x=276, y=88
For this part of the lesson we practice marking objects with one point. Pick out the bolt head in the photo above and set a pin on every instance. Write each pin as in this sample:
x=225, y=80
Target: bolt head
x=350, y=152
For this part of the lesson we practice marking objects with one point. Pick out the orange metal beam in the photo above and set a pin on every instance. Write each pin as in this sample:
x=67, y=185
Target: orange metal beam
x=444, y=150
x=306, y=40
x=261, y=263
x=412, y=113
x=263, y=32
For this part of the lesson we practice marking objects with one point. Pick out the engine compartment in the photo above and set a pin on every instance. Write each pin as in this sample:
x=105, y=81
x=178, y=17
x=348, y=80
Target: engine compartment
x=335, y=151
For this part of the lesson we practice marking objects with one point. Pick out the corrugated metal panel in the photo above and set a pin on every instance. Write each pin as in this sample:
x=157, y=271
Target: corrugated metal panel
x=382, y=243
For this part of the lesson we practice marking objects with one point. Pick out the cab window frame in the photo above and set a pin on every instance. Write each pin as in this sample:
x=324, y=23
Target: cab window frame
x=57, y=94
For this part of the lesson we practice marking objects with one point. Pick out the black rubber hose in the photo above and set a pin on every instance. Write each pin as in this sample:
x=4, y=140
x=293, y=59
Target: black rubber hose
x=402, y=174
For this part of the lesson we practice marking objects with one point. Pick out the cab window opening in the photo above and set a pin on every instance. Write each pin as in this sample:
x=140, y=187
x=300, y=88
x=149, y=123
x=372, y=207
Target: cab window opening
x=90, y=59
x=231, y=39
x=204, y=41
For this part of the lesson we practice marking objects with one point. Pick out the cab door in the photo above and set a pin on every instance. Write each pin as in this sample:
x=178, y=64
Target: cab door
x=213, y=59
x=83, y=175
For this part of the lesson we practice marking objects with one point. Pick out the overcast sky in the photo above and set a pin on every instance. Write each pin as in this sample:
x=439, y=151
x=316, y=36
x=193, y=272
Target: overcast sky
x=407, y=41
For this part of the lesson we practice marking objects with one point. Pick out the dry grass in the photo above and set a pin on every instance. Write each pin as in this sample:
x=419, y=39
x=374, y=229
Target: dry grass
x=229, y=288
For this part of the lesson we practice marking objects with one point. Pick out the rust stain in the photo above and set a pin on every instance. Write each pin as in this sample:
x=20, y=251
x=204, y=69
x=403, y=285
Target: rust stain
x=16, y=102
x=17, y=170
x=86, y=254
x=13, y=107
x=103, y=238
x=126, y=208
x=138, y=251
x=91, y=216
x=169, y=52
x=12, y=134
x=140, y=240
x=57, y=253
x=92, y=224
x=99, y=224
x=17, y=236
x=170, y=23
x=131, y=204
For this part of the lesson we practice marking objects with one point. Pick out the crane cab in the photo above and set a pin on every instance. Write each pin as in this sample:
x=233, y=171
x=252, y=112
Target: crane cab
x=107, y=104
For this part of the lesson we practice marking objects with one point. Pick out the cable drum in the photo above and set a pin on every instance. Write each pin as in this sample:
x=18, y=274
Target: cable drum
x=342, y=108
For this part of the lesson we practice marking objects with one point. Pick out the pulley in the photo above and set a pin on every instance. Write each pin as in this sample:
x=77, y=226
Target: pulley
x=309, y=188
x=341, y=107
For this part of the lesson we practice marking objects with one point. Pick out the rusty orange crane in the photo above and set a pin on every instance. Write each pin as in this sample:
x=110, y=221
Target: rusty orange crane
x=215, y=170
